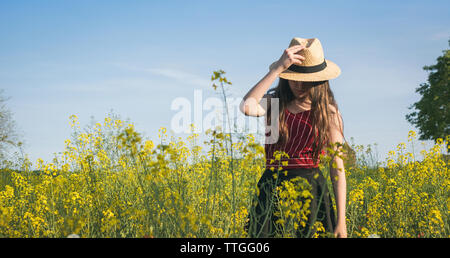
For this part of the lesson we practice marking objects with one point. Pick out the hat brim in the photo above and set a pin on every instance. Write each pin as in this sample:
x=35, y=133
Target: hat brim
x=330, y=72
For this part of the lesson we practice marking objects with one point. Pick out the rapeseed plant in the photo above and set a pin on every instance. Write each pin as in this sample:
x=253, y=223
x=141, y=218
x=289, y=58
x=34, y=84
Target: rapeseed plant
x=110, y=182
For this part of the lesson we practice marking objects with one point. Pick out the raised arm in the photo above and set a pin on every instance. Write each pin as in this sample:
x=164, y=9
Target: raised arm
x=250, y=103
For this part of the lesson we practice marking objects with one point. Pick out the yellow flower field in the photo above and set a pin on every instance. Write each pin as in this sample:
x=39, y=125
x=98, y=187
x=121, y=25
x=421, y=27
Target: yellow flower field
x=110, y=182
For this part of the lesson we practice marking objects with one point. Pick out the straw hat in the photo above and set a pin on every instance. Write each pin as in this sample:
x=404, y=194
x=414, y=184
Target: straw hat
x=315, y=67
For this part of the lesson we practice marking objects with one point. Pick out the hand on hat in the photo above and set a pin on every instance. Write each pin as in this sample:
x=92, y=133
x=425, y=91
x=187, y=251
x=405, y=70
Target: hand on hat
x=288, y=58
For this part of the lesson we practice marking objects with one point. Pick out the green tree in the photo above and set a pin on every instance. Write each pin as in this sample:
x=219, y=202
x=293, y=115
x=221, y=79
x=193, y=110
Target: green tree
x=432, y=117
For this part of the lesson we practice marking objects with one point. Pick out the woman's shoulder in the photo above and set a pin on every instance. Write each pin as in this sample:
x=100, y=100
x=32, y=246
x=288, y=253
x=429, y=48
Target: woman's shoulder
x=336, y=117
x=333, y=109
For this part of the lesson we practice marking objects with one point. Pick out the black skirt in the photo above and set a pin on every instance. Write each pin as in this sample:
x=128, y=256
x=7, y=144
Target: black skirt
x=261, y=220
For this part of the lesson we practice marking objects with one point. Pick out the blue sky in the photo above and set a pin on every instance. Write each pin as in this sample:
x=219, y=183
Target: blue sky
x=59, y=58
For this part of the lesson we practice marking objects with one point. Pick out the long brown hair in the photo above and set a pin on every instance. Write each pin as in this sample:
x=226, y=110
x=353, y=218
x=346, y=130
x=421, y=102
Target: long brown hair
x=321, y=97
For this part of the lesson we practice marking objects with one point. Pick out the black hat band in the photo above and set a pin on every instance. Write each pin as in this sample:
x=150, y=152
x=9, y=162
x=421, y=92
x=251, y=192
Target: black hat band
x=308, y=69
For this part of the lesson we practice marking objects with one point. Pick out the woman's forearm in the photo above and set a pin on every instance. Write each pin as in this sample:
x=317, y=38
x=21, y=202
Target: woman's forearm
x=262, y=86
x=250, y=101
x=340, y=189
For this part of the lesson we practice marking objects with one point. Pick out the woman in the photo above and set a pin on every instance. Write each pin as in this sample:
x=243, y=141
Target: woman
x=309, y=121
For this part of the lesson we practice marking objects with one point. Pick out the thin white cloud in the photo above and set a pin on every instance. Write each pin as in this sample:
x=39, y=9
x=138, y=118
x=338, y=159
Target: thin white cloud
x=108, y=85
x=441, y=35
x=178, y=75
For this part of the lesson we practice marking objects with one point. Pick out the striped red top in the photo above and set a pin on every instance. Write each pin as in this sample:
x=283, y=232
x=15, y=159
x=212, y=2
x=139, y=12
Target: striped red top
x=298, y=146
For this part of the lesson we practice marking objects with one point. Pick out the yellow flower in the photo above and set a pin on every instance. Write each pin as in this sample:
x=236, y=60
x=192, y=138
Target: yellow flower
x=411, y=136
